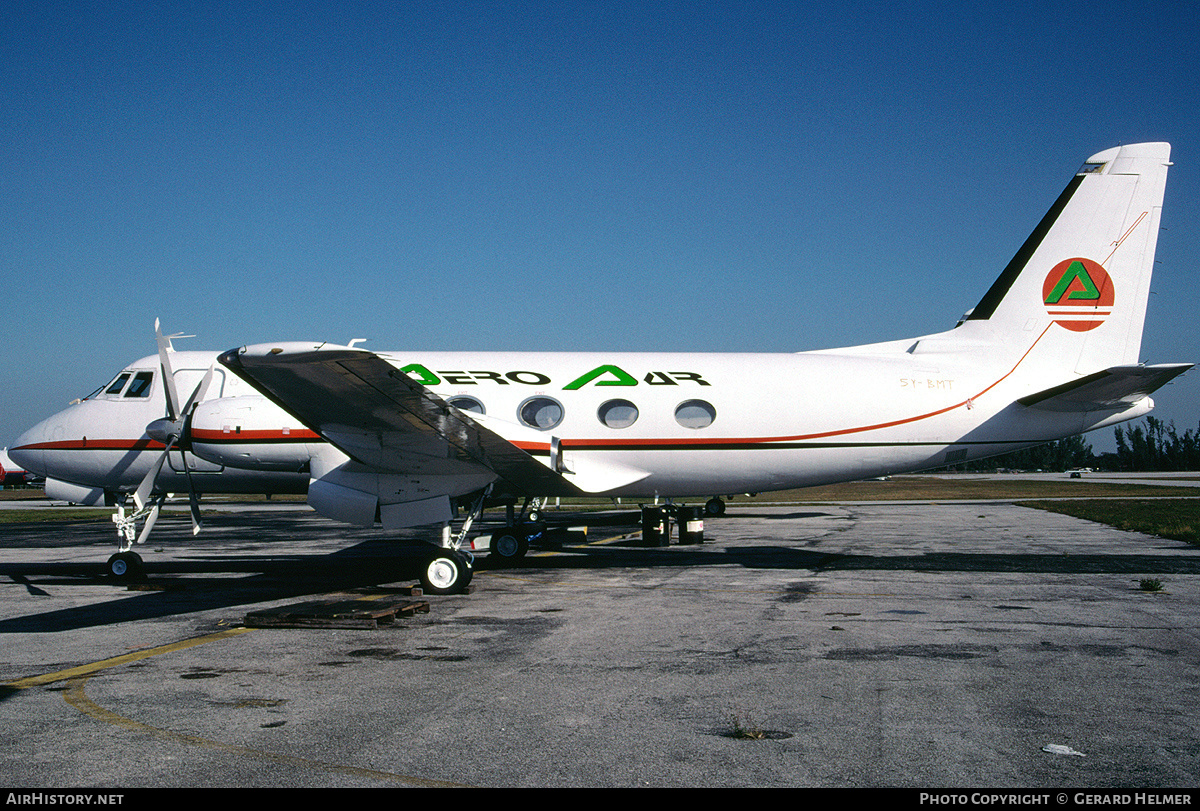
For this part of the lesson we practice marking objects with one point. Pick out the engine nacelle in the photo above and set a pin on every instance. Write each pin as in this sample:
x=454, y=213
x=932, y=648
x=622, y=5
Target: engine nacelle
x=77, y=494
x=250, y=433
x=347, y=491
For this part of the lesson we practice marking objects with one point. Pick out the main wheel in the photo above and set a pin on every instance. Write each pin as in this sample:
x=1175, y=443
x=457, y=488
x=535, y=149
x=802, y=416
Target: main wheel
x=509, y=544
x=714, y=506
x=447, y=572
x=125, y=566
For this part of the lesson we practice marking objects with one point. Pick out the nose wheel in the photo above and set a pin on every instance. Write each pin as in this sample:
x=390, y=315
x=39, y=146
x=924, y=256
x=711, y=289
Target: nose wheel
x=125, y=566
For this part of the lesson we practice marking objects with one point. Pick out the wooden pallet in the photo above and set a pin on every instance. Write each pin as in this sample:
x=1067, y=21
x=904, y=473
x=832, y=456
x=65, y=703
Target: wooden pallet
x=367, y=609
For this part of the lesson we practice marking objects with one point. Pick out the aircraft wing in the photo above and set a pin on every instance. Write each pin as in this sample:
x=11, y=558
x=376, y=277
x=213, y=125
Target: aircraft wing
x=1116, y=388
x=380, y=417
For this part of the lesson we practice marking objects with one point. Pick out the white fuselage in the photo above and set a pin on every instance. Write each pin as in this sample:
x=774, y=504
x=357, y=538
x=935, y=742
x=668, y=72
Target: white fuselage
x=704, y=424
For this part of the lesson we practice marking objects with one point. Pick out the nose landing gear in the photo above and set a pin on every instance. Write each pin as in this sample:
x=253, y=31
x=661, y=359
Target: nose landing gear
x=126, y=566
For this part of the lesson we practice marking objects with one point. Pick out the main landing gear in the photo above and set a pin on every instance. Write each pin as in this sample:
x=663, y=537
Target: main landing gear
x=511, y=543
x=716, y=505
x=447, y=571
x=450, y=567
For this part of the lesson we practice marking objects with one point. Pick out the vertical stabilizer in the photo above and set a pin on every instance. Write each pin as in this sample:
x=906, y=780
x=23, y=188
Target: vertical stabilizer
x=1083, y=276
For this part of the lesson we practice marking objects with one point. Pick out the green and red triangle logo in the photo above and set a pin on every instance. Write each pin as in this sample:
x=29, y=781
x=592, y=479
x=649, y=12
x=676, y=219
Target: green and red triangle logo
x=1078, y=294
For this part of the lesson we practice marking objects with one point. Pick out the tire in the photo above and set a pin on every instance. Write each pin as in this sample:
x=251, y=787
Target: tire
x=125, y=567
x=446, y=572
x=714, y=506
x=508, y=545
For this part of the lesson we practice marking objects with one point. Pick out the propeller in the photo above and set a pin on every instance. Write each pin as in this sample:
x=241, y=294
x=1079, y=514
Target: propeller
x=169, y=430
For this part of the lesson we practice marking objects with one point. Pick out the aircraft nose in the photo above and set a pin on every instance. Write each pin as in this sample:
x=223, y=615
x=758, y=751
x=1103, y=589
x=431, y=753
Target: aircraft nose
x=28, y=449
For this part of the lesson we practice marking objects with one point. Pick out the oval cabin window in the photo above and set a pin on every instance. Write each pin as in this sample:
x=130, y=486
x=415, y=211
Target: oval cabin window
x=542, y=413
x=618, y=413
x=695, y=414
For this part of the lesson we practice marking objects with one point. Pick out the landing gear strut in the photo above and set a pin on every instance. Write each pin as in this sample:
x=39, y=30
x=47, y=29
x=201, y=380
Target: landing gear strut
x=533, y=510
x=127, y=564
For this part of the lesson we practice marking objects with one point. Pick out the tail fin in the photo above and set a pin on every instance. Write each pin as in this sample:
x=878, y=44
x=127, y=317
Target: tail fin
x=1083, y=275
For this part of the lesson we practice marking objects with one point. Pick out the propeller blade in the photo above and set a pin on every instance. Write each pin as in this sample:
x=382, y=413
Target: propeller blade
x=151, y=518
x=197, y=393
x=142, y=494
x=169, y=431
x=193, y=499
x=195, y=505
x=168, y=373
x=196, y=396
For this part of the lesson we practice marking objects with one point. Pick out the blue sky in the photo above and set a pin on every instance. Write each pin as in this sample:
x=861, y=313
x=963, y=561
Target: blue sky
x=663, y=176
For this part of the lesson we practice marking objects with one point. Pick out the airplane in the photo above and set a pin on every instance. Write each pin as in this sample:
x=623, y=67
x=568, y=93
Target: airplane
x=10, y=473
x=406, y=438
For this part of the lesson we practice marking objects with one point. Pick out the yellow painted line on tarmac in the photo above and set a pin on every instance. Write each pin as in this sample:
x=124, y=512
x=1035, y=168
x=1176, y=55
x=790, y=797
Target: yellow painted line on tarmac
x=545, y=553
x=77, y=698
x=124, y=659
x=77, y=678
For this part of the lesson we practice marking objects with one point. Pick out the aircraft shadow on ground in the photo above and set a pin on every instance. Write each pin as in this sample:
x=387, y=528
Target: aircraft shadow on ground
x=782, y=557
x=201, y=581
x=201, y=584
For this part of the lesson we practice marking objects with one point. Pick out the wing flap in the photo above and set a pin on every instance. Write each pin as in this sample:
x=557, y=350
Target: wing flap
x=382, y=418
x=596, y=476
x=1116, y=388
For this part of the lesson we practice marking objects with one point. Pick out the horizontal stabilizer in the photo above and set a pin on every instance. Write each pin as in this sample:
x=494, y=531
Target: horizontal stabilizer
x=1112, y=389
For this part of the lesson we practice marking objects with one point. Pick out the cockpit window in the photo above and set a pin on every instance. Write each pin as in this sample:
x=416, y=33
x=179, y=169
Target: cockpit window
x=118, y=384
x=140, y=387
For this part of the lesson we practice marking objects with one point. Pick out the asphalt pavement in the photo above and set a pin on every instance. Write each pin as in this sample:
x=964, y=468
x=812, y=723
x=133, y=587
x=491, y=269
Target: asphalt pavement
x=904, y=645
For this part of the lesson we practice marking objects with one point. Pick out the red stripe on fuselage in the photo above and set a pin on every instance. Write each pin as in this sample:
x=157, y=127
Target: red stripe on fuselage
x=292, y=435
x=86, y=444
x=722, y=441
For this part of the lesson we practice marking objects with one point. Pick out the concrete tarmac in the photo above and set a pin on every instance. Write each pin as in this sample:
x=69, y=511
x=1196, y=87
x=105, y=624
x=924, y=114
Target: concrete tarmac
x=905, y=645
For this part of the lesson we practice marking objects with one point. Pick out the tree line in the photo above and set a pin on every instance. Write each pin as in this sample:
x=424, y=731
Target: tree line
x=1144, y=446
x=1157, y=447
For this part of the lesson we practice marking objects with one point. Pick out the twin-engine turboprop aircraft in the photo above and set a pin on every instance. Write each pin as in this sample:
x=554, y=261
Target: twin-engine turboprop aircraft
x=408, y=438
